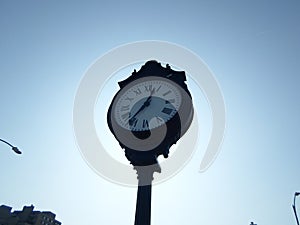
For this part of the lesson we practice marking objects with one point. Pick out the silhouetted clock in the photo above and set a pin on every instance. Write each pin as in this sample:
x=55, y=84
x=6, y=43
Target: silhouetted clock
x=150, y=112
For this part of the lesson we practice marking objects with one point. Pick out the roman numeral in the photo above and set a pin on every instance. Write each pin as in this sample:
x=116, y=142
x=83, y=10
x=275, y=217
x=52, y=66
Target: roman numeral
x=125, y=116
x=137, y=91
x=129, y=99
x=159, y=120
x=170, y=101
x=145, y=124
x=166, y=93
x=167, y=111
x=125, y=107
x=158, y=89
x=149, y=88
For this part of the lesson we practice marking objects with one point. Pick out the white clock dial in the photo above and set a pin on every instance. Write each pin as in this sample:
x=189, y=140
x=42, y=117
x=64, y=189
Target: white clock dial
x=147, y=105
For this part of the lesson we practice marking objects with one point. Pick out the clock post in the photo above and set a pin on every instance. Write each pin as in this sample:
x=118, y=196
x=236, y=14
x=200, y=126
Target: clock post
x=150, y=112
x=143, y=201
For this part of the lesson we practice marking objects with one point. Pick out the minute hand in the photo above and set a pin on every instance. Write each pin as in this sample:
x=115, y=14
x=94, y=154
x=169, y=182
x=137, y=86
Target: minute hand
x=146, y=103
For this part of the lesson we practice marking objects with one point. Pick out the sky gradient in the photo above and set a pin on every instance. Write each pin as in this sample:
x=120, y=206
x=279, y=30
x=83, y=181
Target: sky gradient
x=253, y=49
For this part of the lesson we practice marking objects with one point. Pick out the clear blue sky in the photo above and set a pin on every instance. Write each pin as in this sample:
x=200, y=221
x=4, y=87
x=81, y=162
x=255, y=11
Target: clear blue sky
x=253, y=49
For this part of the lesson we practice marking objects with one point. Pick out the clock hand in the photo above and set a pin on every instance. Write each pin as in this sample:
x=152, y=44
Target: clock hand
x=131, y=119
x=145, y=104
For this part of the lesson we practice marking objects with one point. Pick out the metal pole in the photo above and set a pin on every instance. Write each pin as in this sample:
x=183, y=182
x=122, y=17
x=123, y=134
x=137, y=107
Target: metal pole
x=294, y=206
x=143, y=206
x=143, y=201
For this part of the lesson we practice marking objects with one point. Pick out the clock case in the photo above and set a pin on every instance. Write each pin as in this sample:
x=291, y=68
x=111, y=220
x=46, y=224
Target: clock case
x=175, y=126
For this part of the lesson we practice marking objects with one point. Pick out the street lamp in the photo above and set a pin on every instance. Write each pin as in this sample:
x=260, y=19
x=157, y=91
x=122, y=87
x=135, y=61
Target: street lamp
x=14, y=148
x=294, y=206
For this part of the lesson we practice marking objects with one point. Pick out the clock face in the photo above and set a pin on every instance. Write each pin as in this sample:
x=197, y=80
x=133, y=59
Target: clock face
x=147, y=104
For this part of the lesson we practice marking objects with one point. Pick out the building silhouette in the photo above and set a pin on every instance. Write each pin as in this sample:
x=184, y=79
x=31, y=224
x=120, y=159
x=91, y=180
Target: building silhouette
x=26, y=217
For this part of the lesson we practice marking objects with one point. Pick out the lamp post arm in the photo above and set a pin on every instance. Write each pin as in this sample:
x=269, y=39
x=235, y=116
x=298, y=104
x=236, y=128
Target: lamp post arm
x=295, y=211
x=14, y=148
x=7, y=143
